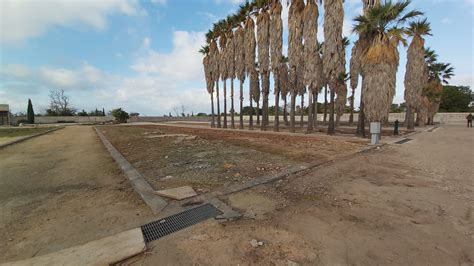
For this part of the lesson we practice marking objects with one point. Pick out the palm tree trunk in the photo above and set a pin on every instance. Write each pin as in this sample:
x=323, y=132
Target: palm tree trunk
x=218, y=105
x=266, y=89
x=213, y=124
x=310, y=112
x=225, y=103
x=285, y=111
x=315, y=106
x=232, y=113
x=276, y=123
x=292, y=112
x=410, y=119
x=331, y=126
x=351, y=116
x=361, y=120
x=325, y=104
x=258, y=113
x=302, y=110
x=241, y=126
x=251, y=111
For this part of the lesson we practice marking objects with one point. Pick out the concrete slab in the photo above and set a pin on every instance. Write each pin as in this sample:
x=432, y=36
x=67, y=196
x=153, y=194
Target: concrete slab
x=104, y=251
x=178, y=193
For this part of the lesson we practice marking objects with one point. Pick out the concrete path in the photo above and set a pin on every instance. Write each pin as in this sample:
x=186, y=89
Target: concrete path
x=60, y=190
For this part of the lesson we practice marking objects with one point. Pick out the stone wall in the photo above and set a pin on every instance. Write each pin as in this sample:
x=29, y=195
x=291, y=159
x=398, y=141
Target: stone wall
x=65, y=119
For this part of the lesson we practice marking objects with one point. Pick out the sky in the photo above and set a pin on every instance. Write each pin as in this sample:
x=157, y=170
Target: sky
x=143, y=56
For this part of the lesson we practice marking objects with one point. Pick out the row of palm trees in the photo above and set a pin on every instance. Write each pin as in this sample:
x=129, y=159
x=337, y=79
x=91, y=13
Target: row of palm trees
x=232, y=45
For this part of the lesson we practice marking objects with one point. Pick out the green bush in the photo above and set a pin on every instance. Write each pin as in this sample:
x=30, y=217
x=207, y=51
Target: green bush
x=120, y=115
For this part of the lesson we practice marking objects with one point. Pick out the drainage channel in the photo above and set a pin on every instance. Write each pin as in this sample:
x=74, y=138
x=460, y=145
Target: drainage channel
x=403, y=141
x=163, y=227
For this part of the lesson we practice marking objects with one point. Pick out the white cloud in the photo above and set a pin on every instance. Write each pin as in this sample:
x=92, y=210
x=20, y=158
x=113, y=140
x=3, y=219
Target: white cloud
x=183, y=63
x=446, y=20
x=160, y=2
x=15, y=70
x=21, y=20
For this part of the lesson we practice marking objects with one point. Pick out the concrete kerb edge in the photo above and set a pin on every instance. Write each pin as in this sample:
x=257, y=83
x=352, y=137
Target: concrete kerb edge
x=28, y=137
x=139, y=183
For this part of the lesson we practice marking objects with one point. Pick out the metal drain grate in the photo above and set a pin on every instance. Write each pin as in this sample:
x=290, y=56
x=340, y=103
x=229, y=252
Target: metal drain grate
x=403, y=141
x=157, y=229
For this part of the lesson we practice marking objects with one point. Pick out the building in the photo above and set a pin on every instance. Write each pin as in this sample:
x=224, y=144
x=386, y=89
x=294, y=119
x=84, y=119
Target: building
x=4, y=114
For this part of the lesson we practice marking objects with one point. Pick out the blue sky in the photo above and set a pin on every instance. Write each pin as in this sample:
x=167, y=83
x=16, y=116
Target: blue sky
x=142, y=55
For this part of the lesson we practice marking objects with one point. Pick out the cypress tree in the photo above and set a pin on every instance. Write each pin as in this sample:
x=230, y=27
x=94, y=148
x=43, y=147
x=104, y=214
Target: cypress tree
x=30, y=114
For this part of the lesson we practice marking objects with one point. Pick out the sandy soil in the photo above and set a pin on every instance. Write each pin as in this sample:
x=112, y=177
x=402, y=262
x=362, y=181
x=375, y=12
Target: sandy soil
x=208, y=159
x=60, y=190
x=407, y=204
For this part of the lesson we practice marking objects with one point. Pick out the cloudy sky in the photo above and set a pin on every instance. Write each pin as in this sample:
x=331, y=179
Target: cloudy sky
x=143, y=55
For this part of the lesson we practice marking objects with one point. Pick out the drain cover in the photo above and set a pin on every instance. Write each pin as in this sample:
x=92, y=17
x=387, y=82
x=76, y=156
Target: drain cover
x=158, y=229
x=403, y=141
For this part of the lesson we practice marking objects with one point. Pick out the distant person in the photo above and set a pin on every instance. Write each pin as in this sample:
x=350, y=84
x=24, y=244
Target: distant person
x=469, y=120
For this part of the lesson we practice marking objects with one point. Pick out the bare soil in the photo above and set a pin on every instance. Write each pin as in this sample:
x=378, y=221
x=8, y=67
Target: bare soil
x=60, y=190
x=208, y=159
x=407, y=204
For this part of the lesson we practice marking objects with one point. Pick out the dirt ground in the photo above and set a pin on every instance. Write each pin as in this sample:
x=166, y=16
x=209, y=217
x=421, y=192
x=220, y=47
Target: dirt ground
x=8, y=134
x=209, y=159
x=60, y=190
x=409, y=204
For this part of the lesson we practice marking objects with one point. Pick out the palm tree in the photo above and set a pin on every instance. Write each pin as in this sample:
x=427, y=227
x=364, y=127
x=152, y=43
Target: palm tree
x=230, y=61
x=342, y=88
x=276, y=43
x=263, y=27
x=214, y=53
x=206, y=61
x=382, y=26
x=333, y=50
x=284, y=83
x=320, y=81
x=295, y=54
x=357, y=68
x=240, y=67
x=250, y=45
x=224, y=71
x=416, y=69
x=438, y=74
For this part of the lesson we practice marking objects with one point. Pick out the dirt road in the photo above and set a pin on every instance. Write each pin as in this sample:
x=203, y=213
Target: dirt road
x=409, y=204
x=59, y=190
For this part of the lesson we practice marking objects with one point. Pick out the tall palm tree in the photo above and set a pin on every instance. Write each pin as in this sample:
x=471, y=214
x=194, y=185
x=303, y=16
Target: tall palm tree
x=224, y=71
x=284, y=83
x=250, y=45
x=263, y=34
x=357, y=68
x=354, y=71
x=438, y=74
x=382, y=26
x=240, y=67
x=230, y=60
x=320, y=81
x=276, y=43
x=295, y=54
x=342, y=87
x=214, y=53
x=416, y=70
x=333, y=50
x=206, y=61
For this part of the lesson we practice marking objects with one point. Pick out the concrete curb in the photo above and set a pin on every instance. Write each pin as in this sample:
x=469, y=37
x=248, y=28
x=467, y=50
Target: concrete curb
x=27, y=137
x=140, y=185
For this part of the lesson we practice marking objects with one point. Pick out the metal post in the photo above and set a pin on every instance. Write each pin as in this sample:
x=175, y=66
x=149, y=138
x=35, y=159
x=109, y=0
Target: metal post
x=375, y=129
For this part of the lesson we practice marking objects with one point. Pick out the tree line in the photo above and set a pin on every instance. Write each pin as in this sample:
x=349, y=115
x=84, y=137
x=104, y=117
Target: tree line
x=248, y=45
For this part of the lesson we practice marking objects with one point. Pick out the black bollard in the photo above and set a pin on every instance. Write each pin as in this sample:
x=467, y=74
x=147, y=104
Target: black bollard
x=395, y=129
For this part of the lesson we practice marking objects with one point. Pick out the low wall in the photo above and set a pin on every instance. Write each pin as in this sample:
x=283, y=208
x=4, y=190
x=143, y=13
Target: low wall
x=67, y=119
x=167, y=119
x=443, y=118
